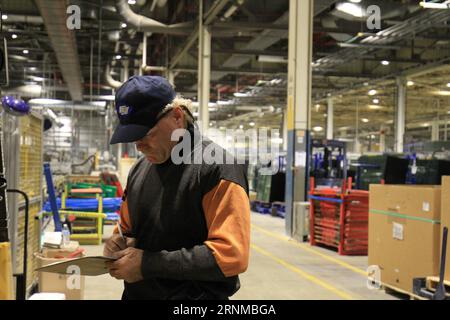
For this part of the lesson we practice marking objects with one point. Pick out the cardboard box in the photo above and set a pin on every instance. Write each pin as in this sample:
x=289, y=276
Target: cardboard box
x=57, y=283
x=445, y=220
x=404, y=232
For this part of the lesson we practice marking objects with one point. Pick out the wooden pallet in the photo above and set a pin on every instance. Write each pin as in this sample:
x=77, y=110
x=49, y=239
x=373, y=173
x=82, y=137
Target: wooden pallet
x=432, y=282
x=405, y=295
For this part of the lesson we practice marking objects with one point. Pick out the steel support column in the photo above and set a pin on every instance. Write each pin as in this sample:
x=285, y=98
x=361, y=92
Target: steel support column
x=400, y=112
x=299, y=102
x=330, y=112
x=435, y=130
x=204, y=71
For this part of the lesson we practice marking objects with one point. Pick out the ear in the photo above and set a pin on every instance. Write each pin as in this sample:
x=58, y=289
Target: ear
x=178, y=116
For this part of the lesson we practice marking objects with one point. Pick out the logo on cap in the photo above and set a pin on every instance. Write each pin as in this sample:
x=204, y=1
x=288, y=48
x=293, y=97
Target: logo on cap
x=124, y=110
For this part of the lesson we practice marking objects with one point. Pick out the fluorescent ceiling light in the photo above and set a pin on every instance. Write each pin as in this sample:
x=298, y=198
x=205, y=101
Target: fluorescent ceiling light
x=355, y=1
x=318, y=129
x=351, y=9
x=14, y=36
x=442, y=93
x=410, y=83
x=123, y=25
x=431, y=5
x=38, y=79
x=448, y=85
x=30, y=89
x=225, y=102
x=25, y=51
x=385, y=63
x=118, y=57
x=374, y=107
x=195, y=114
x=131, y=1
x=373, y=92
x=241, y=127
x=365, y=120
x=4, y=17
x=251, y=124
x=376, y=101
x=43, y=101
x=241, y=94
x=272, y=59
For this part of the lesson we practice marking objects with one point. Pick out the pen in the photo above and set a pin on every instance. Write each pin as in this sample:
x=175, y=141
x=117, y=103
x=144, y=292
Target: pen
x=120, y=231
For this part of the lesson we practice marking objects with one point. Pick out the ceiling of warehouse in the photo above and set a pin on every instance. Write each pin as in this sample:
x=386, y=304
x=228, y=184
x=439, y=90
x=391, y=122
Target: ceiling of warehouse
x=349, y=59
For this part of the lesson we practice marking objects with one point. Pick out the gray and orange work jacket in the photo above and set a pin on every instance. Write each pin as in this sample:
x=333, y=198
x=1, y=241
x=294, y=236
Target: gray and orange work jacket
x=193, y=223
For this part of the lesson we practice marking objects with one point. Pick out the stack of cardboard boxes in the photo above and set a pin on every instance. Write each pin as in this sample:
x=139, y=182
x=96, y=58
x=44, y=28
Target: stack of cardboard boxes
x=405, y=231
x=71, y=287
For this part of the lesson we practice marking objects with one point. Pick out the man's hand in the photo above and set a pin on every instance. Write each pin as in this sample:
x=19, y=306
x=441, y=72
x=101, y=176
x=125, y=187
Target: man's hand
x=116, y=244
x=128, y=265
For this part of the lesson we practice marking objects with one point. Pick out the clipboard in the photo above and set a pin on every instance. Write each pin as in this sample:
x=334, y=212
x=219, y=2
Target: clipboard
x=88, y=266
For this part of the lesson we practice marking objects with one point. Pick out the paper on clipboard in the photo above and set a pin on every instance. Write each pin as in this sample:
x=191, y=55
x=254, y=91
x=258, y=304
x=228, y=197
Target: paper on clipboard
x=88, y=266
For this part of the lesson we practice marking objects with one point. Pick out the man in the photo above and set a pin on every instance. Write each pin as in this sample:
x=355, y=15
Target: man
x=187, y=225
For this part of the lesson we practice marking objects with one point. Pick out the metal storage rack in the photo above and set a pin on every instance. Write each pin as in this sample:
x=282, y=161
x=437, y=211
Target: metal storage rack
x=23, y=161
x=339, y=218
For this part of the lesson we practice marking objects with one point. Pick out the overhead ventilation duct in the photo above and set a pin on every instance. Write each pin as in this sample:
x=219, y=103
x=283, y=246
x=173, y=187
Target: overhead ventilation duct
x=67, y=105
x=142, y=23
x=63, y=43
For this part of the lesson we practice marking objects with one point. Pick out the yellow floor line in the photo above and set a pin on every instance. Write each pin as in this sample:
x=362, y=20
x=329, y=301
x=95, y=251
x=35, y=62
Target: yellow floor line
x=302, y=273
x=304, y=247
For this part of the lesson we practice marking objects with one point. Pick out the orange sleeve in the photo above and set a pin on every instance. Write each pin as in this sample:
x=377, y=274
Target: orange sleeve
x=125, y=222
x=227, y=213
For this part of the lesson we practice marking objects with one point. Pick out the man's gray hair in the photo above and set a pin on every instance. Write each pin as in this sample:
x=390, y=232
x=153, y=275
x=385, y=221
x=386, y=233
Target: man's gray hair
x=184, y=104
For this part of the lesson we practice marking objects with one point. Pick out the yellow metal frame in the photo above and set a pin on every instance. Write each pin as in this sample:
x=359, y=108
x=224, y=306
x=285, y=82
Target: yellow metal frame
x=85, y=238
x=6, y=286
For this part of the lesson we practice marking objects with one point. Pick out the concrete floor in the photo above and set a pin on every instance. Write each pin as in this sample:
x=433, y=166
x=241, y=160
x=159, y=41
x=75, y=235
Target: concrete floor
x=279, y=269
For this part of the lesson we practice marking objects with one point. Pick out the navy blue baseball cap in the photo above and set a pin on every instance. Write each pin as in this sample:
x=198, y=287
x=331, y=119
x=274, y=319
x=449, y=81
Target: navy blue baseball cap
x=138, y=102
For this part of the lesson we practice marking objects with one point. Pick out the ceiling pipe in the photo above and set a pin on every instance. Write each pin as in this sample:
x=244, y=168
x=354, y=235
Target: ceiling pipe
x=24, y=19
x=42, y=104
x=110, y=80
x=142, y=23
x=148, y=69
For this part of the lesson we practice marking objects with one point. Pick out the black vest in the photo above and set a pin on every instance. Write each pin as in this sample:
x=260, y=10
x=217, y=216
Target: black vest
x=165, y=207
